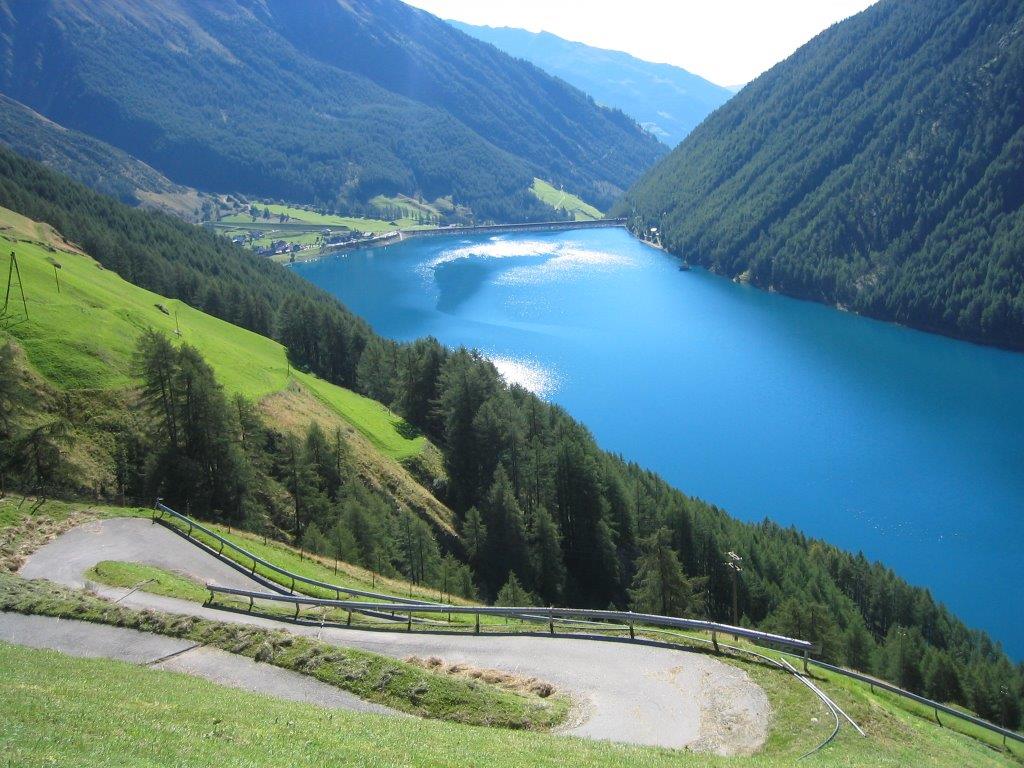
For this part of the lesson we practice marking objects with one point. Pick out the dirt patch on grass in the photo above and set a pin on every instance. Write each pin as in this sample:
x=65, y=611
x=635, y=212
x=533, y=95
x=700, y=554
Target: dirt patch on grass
x=506, y=680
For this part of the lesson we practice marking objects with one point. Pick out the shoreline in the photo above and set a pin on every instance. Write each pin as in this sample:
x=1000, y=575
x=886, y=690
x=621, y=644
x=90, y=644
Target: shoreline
x=389, y=238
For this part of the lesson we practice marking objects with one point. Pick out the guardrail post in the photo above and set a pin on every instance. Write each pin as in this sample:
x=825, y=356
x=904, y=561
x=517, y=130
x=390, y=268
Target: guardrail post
x=551, y=619
x=254, y=566
x=292, y=588
x=714, y=640
x=409, y=628
x=296, y=616
x=348, y=623
x=478, y=623
x=806, y=671
x=250, y=603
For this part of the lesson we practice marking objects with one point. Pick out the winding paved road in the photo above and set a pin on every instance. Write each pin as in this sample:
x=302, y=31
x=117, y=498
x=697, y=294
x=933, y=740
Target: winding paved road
x=82, y=638
x=623, y=692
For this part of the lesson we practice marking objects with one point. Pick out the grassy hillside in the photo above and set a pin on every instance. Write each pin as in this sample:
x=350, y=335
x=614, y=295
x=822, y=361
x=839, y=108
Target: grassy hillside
x=877, y=168
x=111, y=713
x=83, y=337
x=561, y=200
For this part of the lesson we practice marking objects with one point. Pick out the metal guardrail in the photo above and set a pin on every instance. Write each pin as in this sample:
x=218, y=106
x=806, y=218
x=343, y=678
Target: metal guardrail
x=628, y=618
x=259, y=561
x=1006, y=733
x=408, y=606
x=296, y=578
x=576, y=615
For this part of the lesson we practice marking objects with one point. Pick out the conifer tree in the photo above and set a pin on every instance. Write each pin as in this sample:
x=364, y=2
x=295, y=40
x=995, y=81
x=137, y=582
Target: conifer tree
x=314, y=541
x=505, y=548
x=941, y=677
x=660, y=586
x=322, y=461
x=859, y=646
x=474, y=534
x=546, y=554
x=343, y=543
x=512, y=594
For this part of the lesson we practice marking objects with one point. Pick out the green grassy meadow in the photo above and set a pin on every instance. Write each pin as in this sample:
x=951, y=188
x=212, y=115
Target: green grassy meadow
x=564, y=201
x=319, y=220
x=84, y=321
x=397, y=684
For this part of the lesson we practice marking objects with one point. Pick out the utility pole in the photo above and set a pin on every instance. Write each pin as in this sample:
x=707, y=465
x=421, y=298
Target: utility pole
x=14, y=276
x=734, y=563
x=56, y=278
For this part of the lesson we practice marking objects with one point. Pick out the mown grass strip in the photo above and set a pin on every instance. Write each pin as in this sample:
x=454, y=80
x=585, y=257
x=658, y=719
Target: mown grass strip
x=148, y=578
x=395, y=684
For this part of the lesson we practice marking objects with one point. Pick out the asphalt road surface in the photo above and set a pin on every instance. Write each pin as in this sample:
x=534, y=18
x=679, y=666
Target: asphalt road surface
x=623, y=692
x=82, y=638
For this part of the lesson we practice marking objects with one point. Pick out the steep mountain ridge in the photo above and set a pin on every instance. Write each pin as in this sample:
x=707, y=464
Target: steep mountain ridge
x=94, y=163
x=247, y=96
x=879, y=168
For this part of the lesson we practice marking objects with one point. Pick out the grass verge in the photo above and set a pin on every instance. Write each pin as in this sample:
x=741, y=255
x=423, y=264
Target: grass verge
x=395, y=684
x=83, y=337
x=148, y=578
x=61, y=710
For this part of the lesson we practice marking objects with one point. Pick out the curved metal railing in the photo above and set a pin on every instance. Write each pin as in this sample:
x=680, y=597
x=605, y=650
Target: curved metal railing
x=295, y=578
x=580, y=616
x=628, y=618
x=934, y=705
x=285, y=573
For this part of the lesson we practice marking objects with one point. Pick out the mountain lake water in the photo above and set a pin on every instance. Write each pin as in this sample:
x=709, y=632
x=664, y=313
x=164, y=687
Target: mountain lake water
x=905, y=445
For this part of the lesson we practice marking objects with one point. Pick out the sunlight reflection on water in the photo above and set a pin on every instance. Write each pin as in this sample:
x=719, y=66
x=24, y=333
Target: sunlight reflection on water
x=528, y=374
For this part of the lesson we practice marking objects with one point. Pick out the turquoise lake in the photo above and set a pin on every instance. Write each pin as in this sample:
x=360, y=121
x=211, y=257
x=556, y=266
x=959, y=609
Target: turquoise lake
x=902, y=444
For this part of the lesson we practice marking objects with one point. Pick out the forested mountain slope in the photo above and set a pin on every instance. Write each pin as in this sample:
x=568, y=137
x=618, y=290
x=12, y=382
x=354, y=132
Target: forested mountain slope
x=879, y=168
x=315, y=102
x=667, y=101
x=94, y=163
x=533, y=495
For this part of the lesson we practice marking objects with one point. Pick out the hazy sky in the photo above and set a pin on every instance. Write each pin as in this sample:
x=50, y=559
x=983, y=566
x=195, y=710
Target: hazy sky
x=729, y=42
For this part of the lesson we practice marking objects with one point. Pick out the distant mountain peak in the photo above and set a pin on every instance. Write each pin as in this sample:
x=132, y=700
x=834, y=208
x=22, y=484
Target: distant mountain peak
x=666, y=100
